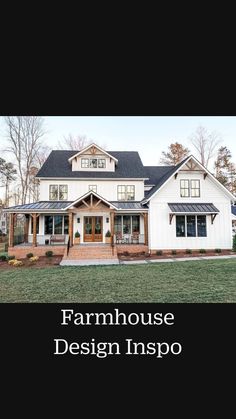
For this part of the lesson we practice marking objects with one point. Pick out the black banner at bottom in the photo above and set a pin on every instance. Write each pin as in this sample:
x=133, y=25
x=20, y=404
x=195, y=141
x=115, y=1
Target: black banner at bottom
x=157, y=333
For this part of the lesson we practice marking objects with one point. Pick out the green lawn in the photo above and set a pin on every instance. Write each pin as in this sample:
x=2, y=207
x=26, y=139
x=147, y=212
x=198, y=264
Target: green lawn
x=197, y=281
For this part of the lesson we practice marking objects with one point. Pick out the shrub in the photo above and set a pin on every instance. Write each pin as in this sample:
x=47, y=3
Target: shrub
x=202, y=251
x=218, y=250
x=11, y=261
x=34, y=259
x=173, y=252
x=108, y=233
x=29, y=255
x=188, y=251
x=49, y=253
x=234, y=243
x=3, y=258
x=159, y=252
x=77, y=234
x=126, y=253
x=17, y=262
x=11, y=257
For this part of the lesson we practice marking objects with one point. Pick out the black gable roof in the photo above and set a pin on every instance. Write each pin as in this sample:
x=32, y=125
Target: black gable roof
x=155, y=173
x=129, y=166
x=160, y=174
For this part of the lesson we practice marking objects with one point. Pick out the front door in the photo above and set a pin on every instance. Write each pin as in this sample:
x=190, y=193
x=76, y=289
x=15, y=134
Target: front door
x=93, y=229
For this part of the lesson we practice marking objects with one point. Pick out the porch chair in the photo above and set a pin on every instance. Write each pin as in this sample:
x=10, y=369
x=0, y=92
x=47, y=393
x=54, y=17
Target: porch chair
x=119, y=238
x=135, y=238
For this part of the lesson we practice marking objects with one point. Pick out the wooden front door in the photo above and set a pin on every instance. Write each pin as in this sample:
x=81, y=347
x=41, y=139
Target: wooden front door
x=93, y=229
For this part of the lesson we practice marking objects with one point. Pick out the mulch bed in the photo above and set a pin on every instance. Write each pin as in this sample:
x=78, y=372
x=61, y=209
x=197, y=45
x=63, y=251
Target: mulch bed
x=146, y=256
x=43, y=262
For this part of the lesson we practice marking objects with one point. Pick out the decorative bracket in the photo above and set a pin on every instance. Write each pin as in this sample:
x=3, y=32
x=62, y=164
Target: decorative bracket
x=213, y=216
x=171, y=217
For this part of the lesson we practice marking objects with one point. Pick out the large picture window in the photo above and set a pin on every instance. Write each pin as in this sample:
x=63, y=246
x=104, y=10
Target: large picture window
x=56, y=224
x=180, y=225
x=191, y=226
x=127, y=224
x=58, y=192
x=126, y=193
x=201, y=226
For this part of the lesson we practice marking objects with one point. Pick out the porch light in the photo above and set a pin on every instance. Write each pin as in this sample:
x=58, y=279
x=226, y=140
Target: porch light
x=78, y=220
x=107, y=220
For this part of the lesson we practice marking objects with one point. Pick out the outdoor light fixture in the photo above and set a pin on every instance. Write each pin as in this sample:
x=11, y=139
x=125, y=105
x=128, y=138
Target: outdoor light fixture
x=78, y=220
x=107, y=220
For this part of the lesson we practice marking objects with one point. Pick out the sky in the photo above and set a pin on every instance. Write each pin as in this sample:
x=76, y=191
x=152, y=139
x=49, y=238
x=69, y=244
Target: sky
x=147, y=135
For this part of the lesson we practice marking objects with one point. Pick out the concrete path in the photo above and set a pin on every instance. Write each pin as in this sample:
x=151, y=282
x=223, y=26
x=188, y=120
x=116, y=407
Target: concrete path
x=133, y=262
x=89, y=262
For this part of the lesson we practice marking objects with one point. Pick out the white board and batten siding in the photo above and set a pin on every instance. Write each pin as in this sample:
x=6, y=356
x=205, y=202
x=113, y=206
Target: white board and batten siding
x=162, y=234
x=77, y=188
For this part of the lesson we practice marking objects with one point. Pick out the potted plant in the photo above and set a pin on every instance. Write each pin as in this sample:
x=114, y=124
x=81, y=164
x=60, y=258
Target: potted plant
x=108, y=236
x=77, y=238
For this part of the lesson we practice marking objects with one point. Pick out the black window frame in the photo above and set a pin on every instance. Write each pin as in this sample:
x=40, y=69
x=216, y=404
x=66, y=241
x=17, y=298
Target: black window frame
x=195, y=189
x=125, y=192
x=184, y=188
x=196, y=225
x=82, y=163
x=53, y=224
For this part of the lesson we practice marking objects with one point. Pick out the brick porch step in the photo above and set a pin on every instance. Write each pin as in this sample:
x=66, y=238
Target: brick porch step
x=91, y=252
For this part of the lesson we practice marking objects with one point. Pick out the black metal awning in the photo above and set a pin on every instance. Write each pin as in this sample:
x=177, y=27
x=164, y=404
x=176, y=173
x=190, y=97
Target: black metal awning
x=193, y=208
x=41, y=206
x=177, y=208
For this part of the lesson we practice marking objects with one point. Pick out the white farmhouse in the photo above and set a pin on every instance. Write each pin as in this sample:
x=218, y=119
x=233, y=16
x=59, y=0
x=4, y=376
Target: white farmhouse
x=108, y=201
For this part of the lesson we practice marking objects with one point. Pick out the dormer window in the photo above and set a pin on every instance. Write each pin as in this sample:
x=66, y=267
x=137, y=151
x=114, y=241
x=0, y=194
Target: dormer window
x=93, y=163
x=84, y=163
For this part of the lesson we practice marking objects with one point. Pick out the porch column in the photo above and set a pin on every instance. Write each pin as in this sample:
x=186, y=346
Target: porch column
x=145, y=215
x=112, y=226
x=26, y=228
x=34, y=216
x=11, y=230
x=71, y=228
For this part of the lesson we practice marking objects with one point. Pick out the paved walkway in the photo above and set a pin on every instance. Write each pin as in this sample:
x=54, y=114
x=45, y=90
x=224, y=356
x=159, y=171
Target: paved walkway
x=88, y=262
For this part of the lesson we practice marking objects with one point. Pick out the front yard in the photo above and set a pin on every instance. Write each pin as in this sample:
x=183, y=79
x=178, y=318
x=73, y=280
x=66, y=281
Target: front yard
x=179, y=282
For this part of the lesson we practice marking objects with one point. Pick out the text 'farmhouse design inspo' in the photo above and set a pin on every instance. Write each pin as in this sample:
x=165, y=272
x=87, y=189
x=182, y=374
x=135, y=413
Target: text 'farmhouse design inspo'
x=94, y=202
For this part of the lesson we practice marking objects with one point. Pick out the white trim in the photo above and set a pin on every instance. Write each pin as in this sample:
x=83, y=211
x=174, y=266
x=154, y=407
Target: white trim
x=203, y=168
x=85, y=196
x=88, y=147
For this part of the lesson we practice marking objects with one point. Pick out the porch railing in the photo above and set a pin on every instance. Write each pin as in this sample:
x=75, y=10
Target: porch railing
x=129, y=239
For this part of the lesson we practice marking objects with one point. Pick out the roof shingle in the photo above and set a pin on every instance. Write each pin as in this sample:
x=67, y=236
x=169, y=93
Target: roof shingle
x=129, y=166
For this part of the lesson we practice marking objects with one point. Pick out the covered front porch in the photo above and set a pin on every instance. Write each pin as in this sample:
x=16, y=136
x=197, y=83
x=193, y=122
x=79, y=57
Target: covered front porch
x=57, y=225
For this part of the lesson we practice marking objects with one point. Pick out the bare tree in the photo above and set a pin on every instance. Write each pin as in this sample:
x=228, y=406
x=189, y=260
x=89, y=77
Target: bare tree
x=176, y=152
x=7, y=175
x=24, y=136
x=205, y=143
x=74, y=143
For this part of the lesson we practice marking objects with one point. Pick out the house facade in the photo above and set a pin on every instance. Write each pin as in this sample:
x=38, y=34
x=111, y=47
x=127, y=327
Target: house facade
x=97, y=193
